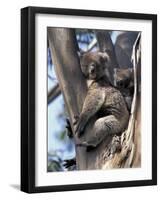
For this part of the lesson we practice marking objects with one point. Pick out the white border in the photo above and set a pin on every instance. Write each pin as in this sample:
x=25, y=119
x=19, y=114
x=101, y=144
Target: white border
x=94, y=176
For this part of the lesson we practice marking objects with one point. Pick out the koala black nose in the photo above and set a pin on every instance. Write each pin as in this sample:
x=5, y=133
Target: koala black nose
x=120, y=83
x=92, y=69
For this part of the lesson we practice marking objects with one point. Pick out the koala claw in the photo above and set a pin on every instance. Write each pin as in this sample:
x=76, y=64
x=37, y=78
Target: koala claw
x=69, y=163
x=69, y=128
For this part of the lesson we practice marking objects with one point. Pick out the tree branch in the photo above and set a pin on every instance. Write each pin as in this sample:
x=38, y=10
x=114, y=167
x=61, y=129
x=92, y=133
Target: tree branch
x=92, y=45
x=106, y=45
x=53, y=93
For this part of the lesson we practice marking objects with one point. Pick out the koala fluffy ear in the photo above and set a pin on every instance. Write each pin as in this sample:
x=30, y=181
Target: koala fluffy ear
x=104, y=57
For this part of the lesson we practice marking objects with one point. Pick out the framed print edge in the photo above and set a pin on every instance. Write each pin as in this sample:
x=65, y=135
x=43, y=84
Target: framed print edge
x=154, y=99
x=28, y=99
x=24, y=101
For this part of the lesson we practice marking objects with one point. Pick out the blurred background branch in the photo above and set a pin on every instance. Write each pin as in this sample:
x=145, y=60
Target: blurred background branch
x=53, y=93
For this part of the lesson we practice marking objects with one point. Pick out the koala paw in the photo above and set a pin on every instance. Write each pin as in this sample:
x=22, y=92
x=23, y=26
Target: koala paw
x=76, y=117
x=69, y=129
x=69, y=163
x=80, y=124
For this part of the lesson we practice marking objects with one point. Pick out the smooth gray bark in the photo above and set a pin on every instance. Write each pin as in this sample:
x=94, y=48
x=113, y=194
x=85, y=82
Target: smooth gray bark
x=72, y=83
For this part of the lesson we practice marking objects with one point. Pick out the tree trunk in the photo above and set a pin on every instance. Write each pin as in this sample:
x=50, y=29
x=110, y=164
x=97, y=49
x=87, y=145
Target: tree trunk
x=123, y=48
x=106, y=45
x=63, y=48
x=130, y=154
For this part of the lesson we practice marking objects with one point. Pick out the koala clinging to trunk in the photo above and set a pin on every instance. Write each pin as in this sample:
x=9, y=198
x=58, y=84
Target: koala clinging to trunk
x=103, y=101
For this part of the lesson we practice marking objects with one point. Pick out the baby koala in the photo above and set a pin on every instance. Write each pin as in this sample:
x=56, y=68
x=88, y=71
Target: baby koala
x=102, y=101
x=124, y=81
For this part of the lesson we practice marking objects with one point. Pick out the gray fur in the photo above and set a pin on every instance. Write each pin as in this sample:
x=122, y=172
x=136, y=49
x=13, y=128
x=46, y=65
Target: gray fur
x=102, y=100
